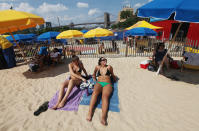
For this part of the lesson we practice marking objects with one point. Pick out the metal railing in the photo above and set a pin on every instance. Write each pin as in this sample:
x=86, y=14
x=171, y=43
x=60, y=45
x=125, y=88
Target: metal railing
x=132, y=48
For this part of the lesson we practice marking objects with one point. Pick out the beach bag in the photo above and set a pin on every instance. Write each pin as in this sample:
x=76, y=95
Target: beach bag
x=151, y=68
x=33, y=67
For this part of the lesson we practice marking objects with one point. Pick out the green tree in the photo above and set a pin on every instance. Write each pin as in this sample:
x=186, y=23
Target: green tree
x=126, y=14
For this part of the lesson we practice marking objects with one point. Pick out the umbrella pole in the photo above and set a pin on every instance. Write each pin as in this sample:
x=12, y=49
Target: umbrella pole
x=173, y=39
x=18, y=46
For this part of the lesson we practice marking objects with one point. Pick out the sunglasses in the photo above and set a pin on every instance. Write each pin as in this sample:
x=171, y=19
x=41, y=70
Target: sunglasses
x=104, y=60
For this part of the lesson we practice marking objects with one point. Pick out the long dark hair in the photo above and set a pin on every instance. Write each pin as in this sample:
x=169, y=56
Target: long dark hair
x=100, y=59
x=75, y=58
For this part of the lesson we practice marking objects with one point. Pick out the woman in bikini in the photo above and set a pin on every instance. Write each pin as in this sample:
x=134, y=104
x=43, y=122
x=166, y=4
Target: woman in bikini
x=75, y=68
x=104, y=86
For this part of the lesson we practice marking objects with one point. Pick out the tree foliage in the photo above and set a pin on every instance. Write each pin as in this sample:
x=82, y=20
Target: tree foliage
x=128, y=22
x=126, y=14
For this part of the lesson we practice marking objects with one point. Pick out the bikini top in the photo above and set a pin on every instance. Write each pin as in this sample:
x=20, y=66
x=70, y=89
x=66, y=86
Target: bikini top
x=108, y=73
x=80, y=69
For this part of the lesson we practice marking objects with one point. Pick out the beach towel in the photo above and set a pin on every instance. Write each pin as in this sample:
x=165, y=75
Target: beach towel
x=114, y=100
x=72, y=102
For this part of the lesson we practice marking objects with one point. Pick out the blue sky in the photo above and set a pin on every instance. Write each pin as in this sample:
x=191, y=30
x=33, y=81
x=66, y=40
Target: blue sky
x=76, y=11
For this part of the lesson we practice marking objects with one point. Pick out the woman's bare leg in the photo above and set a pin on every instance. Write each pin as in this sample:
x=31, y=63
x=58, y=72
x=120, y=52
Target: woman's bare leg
x=95, y=94
x=106, y=92
x=61, y=92
x=71, y=84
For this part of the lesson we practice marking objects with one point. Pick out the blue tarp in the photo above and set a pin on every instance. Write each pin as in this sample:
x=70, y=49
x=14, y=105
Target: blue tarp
x=84, y=31
x=19, y=37
x=140, y=31
x=47, y=36
x=185, y=10
x=113, y=103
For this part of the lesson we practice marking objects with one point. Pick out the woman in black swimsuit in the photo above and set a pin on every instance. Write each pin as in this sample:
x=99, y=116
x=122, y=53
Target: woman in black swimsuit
x=103, y=86
x=75, y=68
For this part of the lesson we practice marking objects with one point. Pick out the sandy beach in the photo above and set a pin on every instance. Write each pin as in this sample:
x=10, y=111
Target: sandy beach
x=147, y=102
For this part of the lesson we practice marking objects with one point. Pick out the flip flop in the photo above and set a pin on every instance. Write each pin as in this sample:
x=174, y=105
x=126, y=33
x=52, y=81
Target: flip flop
x=42, y=108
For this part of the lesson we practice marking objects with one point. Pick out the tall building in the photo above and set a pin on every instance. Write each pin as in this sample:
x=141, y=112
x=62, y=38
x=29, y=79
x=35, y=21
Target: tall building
x=46, y=25
x=106, y=20
x=126, y=7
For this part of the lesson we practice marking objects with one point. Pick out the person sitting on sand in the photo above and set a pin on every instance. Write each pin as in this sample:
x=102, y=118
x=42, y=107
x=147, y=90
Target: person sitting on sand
x=75, y=69
x=104, y=86
x=55, y=56
x=159, y=54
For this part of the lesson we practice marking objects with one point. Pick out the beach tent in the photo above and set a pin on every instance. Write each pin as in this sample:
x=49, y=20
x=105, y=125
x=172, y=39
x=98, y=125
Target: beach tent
x=140, y=31
x=184, y=10
x=143, y=24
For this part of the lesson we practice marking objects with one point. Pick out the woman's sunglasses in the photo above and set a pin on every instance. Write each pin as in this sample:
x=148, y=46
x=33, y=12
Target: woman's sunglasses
x=104, y=60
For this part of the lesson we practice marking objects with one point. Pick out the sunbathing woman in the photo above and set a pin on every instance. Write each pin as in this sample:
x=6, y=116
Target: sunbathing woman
x=103, y=86
x=75, y=68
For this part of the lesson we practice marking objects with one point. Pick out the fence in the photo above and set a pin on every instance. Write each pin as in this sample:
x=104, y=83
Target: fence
x=133, y=48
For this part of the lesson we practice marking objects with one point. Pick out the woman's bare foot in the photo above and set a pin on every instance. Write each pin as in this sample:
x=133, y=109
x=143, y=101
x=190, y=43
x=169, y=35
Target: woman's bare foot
x=89, y=117
x=60, y=105
x=104, y=122
x=55, y=106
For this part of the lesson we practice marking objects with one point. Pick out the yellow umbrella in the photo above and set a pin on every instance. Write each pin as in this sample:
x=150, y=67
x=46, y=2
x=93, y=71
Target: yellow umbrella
x=98, y=32
x=69, y=34
x=12, y=20
x=143, y=24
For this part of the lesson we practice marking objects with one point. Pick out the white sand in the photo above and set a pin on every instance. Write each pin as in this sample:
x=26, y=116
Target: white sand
x=147, y=102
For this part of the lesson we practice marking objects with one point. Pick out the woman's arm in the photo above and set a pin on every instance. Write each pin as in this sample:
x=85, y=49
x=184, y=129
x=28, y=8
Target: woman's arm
x=75, y=75
x=94, y=73
x=112, y=74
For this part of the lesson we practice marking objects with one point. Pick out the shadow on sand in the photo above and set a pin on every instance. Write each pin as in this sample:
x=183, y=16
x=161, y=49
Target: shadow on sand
x=49, y=71
x=188, y=76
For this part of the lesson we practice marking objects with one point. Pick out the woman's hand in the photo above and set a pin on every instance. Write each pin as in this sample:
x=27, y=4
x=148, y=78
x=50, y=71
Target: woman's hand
x=83, y=79
x=94, y=79
x=114, y=78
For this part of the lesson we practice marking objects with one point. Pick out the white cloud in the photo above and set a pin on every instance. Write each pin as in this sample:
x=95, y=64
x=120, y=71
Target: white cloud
x=25, y=7
x=82, y=5
x=47, y=8
x=150, y=0
x=5, y=6
x=138, y=5
x=93, y=11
